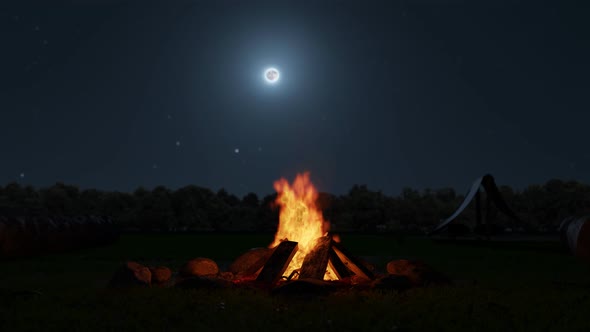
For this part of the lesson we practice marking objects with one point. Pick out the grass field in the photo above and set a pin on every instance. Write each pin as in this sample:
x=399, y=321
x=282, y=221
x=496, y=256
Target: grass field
x=519, y=287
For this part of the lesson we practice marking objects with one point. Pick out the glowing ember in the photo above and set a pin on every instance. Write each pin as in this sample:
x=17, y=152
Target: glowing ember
x=300, y=220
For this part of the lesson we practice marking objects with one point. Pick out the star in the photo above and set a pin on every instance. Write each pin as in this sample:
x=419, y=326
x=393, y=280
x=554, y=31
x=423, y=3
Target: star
x=22, y=175
x=177, y=143
x=236, y=150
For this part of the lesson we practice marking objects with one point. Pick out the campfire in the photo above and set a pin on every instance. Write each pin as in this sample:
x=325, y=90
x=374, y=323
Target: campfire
x=303, y=247
x=303, y=254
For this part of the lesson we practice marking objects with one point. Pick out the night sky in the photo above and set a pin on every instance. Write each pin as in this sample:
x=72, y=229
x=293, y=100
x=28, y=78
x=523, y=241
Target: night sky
x=427, y=94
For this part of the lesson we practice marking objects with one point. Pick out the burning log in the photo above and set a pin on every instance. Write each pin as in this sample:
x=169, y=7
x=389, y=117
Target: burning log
x=327, y=260
x=315, y=262
x=250, y=262
x=278, y=262
x=338, y=266
x=352, y=263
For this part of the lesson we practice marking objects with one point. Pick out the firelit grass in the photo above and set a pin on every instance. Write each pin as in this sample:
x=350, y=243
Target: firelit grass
x=496, y=289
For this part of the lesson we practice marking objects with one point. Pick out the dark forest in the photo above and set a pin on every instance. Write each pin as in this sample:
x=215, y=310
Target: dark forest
x=541, y=208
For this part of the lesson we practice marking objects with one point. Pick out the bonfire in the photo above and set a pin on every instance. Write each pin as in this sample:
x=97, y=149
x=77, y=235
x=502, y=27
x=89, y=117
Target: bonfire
x=303, y=254
x=300, y=220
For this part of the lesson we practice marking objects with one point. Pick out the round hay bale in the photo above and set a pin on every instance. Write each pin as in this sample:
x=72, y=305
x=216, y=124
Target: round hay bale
x=16, y=242
x=3, y=233
x=10, y=232
x=78, y=236
x=575, y=232
x=33, y=229
x=109, y=230
x=54, y=243
x=95, y=230
x=45, y=228
x=65, y=234
x=199, y=267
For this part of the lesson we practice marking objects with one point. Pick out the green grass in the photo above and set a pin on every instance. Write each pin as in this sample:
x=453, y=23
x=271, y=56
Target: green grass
x=497, y=289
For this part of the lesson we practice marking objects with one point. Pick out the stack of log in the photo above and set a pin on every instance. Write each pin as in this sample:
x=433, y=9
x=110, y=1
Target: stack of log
x=264, y=268
x=27, y=236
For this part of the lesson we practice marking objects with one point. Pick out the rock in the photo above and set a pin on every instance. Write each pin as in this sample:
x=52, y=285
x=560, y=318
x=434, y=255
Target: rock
x=250, y=261
x=419, y=273
x=393, y=282
x=199, y=267
x=131, y=274
x=202, y=282
x=160, y=275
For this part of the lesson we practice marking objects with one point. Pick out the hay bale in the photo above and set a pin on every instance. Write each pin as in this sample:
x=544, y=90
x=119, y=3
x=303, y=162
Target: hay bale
x=54, y=241
x=34, y=232
x=17, y=239
x=62, y=235
x=3, y=234
x=575, y=232
x=110, y=231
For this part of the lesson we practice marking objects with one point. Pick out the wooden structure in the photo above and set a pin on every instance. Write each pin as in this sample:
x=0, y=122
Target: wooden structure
x=325, y=253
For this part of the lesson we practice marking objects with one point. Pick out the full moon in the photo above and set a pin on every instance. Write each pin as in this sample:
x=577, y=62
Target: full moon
x=271, y=75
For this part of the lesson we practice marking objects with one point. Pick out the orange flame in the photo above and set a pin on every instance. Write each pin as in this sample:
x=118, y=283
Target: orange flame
x=300, y=219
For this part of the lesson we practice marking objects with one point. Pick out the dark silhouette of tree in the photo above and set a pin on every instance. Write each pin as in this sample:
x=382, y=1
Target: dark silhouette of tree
x=227, y=198
x=60, y=199
x=250, y=200
x=541, y=207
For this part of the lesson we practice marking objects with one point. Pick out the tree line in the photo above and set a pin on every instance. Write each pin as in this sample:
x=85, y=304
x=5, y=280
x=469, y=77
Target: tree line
x=192, y=208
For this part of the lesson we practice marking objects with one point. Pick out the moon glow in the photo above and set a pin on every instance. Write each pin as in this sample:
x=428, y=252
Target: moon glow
x=271, y=75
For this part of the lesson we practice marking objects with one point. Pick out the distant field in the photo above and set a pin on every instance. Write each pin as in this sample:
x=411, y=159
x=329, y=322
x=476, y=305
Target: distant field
x=528, y=286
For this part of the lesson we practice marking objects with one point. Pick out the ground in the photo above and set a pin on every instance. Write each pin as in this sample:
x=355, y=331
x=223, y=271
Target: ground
x=517, y=287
